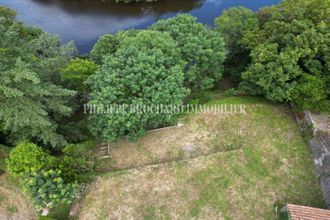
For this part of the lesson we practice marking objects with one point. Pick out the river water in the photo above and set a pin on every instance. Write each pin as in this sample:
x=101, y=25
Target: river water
x=84, y=21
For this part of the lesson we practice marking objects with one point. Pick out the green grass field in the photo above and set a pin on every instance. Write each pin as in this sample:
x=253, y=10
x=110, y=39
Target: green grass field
x=242, y=166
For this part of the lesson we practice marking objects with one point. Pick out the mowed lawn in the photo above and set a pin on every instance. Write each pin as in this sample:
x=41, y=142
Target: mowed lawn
x=241, y=166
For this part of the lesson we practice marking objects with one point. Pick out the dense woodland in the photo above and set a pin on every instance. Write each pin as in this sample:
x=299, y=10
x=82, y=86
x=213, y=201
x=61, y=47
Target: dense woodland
x=279, y=52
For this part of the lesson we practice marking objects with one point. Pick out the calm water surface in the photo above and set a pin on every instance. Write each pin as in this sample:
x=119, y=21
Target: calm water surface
x=84, y=21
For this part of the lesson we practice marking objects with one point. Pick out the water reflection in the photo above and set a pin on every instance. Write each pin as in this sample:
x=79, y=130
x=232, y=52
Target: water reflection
x=100, y=7
x=85, y=20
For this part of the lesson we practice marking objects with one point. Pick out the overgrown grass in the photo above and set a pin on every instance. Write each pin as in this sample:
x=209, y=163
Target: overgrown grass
x=244, y=166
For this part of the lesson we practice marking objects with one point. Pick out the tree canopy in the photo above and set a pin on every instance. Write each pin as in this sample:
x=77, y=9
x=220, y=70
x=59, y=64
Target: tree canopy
x=290, y=54
x=29, y=94
x=201, y=48
x=144, y=71
x=233, y=24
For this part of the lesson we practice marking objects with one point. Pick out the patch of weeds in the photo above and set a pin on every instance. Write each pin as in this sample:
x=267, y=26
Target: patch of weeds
x=180, y=153
x=139, y=147
x=150, y=212
x=2, y=198
x=116, y=173
x=179, y=171
x=11, y=210
x=280, y=211
x=231, y=92
x=200, y=98
x=306, y=131
x=235, y=144
x=254, y=162
x=3, y=165
x=219, y=145
x=61, y=211
x=211, y=185
x=176, y=153
x=283, y=216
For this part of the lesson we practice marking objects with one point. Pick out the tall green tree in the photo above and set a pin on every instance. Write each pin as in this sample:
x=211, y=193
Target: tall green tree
x=232, y=25
x=146, y=70
x=109, y=44
x=30, y=96
x=290, y=53
x=201, y=48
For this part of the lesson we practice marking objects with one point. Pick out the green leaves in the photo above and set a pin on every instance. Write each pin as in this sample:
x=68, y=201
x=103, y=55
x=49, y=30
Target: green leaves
x=47, y=188
x=30, y=96
x=77, y=71
x=201, y=48
x=27, y=157
x=290, y=54
x=144, y=70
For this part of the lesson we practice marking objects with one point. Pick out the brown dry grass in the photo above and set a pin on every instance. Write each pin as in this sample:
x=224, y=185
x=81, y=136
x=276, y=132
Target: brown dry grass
x=13, y=203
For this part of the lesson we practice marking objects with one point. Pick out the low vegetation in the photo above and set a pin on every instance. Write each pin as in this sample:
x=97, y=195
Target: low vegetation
x=14, y=204
x=217, y=166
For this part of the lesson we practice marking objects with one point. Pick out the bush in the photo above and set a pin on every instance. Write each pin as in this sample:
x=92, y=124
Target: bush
x=311, y=93
x=231, y=92
x=26, y=157
x=76, y=73
x=78, y=163
x=48, y=189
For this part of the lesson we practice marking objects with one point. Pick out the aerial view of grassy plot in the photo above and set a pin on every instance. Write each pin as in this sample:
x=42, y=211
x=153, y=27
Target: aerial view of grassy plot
x=168, y=109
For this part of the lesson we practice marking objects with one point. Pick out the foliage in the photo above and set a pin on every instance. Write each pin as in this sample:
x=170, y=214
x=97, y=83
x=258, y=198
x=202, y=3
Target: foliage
x=232, y=24
x=144, y=70
x=78, y=163
x=30, y=97
x=77, y=71
x=107, y=44
x=47, y=188
x=231, y=92
x=309, y=93
x=201, y=48
x=26, y=157
x=4, y=153
x=290, y=54
x=75, y=129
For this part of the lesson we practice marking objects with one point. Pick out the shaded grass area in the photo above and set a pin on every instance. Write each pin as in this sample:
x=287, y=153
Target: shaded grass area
x=243, y=166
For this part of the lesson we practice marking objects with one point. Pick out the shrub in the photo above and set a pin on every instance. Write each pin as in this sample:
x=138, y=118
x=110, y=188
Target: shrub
x=48, y=189
x=231, y=92
x=26, y=157
x=78, y=163
x=77, y=71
